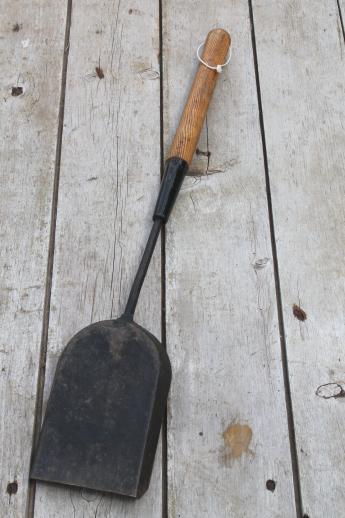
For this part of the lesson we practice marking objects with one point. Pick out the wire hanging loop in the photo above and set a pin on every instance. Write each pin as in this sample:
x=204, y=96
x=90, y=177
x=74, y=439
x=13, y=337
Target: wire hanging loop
x=218, y=68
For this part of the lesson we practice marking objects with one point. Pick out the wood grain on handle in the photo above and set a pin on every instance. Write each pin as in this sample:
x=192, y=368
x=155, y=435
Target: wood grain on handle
x=187, y=135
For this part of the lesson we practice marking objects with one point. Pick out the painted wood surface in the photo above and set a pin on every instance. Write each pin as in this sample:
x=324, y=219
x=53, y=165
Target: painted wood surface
x=31, y=53
x=227, y=428
x=110, y=174
x=301, y=64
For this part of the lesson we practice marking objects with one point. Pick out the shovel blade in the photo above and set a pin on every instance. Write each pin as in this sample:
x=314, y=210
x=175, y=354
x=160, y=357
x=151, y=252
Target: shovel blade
x=105, y=410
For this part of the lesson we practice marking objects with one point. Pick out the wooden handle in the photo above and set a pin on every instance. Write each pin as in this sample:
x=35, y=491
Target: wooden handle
x=187, y=135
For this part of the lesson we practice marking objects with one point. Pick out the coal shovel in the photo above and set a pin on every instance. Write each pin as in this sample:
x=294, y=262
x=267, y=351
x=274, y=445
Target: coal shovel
x=108, y=397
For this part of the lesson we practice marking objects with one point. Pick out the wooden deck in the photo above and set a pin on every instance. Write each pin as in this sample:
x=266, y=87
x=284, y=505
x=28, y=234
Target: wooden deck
x=250, y=272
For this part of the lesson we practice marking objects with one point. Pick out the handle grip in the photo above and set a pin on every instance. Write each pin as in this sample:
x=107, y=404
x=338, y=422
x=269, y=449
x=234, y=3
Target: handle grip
x=187, y=135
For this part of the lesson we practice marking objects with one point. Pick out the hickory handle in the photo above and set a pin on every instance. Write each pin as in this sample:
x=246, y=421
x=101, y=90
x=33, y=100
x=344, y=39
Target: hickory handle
x=187, y=135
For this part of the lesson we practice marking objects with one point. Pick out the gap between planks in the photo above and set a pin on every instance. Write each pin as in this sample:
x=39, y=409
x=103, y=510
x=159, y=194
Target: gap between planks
x=164, y=432
x=341, y=19
x=50, y=262
x=285, y=366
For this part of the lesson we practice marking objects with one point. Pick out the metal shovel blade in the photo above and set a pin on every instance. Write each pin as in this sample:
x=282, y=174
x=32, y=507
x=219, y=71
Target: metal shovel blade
x=105, y=410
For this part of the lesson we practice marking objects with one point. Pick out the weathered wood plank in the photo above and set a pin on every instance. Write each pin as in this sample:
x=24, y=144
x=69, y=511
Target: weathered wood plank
x=227, y=428
x=31, y=54
x=304, y=113
x=110, y=174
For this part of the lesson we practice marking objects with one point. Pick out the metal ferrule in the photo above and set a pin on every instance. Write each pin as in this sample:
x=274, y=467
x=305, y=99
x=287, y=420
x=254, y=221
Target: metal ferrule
x=174, y=173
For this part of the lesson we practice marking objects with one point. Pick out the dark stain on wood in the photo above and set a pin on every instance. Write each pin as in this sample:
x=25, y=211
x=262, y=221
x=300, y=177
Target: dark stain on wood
x=16, y=27
x=270, y=485
x=12, y=488
x=99, y=72
x=237, y=438
x=299, y=313
x=16, y=90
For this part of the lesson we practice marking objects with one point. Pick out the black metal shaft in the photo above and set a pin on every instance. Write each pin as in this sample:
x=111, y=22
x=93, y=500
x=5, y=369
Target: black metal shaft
x=142, y=270
x=175, y=170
